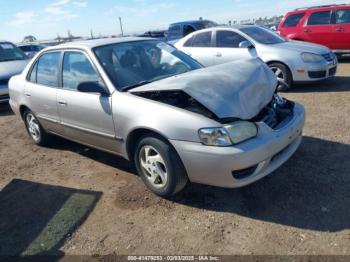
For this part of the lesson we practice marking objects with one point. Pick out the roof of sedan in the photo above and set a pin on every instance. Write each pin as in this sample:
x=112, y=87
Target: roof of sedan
x=99, y=42
x=234, y=26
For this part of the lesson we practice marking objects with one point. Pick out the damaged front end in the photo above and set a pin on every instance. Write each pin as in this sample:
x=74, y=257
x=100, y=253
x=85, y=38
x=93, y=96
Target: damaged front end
x=275, y=114
x=178, y=99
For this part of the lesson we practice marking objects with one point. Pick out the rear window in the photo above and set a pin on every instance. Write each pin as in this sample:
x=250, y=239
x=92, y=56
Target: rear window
x=293, y=20
x=320, y=18
x=342, y=17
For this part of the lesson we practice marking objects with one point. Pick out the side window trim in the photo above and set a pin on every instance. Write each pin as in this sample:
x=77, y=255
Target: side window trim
x=64, y=51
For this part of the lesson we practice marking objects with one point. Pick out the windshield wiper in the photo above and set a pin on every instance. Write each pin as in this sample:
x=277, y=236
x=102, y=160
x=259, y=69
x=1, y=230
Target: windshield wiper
x=136, y=85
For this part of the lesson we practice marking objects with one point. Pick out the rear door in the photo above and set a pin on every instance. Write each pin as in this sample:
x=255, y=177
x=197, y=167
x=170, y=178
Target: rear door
x=41, y=90
x=86, y=117
x=319, y=28
x=200, y=47
x=227, y=47
x=342, y=29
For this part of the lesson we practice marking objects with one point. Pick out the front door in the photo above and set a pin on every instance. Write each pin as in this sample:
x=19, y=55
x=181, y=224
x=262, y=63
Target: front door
x=342, y=29
x=227, y=47
x=86, y=117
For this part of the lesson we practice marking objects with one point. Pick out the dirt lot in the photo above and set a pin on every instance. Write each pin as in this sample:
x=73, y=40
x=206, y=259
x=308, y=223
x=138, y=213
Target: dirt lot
x=68, y=199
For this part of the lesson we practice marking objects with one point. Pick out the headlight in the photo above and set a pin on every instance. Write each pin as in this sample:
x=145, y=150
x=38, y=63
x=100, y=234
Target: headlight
x=241, y=131
x=215, y=137
x=230, y=134
x=311, y=58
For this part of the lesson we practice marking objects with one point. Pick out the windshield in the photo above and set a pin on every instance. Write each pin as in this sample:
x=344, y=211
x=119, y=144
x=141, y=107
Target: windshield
x=10, y=52
x=133, y=64
x=262, y=35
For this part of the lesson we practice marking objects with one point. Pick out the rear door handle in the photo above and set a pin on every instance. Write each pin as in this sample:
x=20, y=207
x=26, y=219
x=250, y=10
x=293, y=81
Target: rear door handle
x=307, y=30
x=218, y=55
x=340, y=29
x=28, y=95
x=62, y=103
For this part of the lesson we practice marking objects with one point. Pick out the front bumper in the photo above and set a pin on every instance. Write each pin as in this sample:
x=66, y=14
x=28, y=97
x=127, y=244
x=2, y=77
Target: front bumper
x=315, y=71
x=269, y=150
x=4, y=94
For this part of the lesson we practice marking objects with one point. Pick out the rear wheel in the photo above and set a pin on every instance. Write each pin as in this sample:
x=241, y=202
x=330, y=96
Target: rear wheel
x=34, y=129
x=283, y=73
x=159, y=166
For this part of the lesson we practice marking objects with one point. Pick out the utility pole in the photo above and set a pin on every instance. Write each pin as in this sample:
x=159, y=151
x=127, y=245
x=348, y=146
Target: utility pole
x=121, y=25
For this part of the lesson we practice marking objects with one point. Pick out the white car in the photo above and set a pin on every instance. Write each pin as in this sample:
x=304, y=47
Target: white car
x=292, y=61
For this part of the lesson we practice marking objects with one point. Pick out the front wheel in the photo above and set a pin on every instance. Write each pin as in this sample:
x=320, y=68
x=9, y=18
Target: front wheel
x=34, y=129
x=159, y=166
x=283, y=73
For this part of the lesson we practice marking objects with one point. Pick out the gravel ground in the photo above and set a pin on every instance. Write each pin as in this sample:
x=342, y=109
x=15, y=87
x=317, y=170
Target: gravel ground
x=69, y=199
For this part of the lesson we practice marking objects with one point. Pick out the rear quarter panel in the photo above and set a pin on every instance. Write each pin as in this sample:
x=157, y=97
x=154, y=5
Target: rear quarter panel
x=16, y=91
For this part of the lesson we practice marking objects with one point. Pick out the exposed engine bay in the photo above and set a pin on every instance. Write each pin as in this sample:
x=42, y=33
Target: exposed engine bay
x=278, y=112
x=178, y=99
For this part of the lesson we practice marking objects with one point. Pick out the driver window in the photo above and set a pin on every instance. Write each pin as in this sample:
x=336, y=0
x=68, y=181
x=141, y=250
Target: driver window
x=77, y=69
x=228, y=39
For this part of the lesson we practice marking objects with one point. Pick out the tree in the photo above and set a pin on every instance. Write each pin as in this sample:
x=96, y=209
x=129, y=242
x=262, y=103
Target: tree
x=29, y=38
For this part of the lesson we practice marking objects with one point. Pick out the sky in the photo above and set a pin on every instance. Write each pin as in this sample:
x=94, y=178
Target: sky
x=45, y=19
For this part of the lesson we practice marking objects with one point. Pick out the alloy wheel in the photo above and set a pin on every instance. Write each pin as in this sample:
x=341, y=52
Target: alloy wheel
x=153, y=166
x=33, y=127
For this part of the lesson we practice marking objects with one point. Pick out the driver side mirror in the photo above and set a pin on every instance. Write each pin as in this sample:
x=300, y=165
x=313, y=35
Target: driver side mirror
x=92, y=87
x=246, y=44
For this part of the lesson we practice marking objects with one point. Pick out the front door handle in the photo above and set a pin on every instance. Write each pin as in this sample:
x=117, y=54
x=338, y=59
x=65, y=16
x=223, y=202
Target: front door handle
x=218, y=55
x=340, y=29
x=307, y=30
x=62, y=103
x=28, y=95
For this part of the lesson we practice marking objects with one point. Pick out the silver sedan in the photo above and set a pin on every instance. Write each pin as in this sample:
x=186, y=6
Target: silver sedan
x=150, y=103
x=292, y=61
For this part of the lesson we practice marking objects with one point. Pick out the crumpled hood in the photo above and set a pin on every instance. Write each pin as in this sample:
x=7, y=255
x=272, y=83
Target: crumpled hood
x=11, y=68
x=301, y=46
x=239, y=89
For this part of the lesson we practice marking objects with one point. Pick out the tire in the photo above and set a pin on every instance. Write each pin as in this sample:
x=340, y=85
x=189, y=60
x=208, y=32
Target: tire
x=164, y=176
x=34, y=129
x=281, y=71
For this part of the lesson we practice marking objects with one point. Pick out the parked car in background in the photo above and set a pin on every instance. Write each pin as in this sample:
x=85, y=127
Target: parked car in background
x=326, y=25
x=31, y=49
x=272, y=27
x=291, y=61
x=160, y=34
x=12, y=62
x=179, y=30
x=150, y=103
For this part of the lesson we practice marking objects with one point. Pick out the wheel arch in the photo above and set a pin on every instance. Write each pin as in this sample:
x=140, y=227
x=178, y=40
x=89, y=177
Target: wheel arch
x=134, y=137
x=22, y=109
x=280, y=62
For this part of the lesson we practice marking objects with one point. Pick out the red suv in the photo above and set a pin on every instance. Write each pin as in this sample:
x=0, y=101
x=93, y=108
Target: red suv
x=326, y=25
